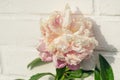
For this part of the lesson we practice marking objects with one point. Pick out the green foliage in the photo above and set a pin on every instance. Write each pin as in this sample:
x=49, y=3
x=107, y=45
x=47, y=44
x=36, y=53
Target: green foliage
x=79, y=73
x=66, y=74
x=36, y=62
x=106, y=71
x=86, y=73
x=97, y=75
x=60, y=73
x=39, y=75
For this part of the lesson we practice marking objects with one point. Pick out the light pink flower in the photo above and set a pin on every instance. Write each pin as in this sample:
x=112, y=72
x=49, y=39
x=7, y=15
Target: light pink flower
x=60, y=64
x=72, y=58
x=42, y=46
x=67, y=39
x=74, y=67
x=44, y=54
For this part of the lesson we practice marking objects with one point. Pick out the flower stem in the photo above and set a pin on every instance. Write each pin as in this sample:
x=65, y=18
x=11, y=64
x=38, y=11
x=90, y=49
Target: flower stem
x=62, y=78
x=82, y=78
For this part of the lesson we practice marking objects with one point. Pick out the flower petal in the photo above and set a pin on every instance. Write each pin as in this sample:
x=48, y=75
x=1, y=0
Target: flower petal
x=74, y=67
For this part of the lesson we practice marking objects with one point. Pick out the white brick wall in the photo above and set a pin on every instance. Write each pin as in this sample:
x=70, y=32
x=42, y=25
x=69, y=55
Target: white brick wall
x=19, y=32
x=110, y=7
x=42, y=6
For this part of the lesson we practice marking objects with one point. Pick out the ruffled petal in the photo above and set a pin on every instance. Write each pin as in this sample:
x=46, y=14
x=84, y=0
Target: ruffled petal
x=74, y=67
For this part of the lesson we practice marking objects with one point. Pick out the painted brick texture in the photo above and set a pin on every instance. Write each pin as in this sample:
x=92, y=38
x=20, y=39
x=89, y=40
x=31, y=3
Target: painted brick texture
x=20, y=34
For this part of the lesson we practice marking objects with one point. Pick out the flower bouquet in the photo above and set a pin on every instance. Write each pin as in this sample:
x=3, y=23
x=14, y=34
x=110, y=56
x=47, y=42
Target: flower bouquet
x=67, y=40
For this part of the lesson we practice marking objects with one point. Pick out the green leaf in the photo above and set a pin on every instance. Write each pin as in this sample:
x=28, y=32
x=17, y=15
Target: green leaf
x=97, y=75
x=106, y=69
x=74, y=74
x=60, y=73
x=39, y=75
x=36, y=62
x=86, y=73
x=79, y=73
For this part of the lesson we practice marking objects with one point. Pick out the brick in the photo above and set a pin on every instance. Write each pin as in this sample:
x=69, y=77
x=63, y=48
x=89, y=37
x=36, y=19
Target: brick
x=19, y=30
x=43, y=6
x=14, y=77
x=23, y=30
x=0, y=61
x=15, y=60
x=110, y=7
x=11, y=77
x=107, y=32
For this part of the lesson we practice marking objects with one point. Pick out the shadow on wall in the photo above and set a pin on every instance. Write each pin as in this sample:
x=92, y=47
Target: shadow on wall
x=108, y=52
x=103, y=44
x=103, y=48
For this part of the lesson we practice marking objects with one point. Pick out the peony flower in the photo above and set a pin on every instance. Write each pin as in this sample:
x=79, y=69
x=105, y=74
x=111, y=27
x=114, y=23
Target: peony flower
x=45, y=55
x=66, y=39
